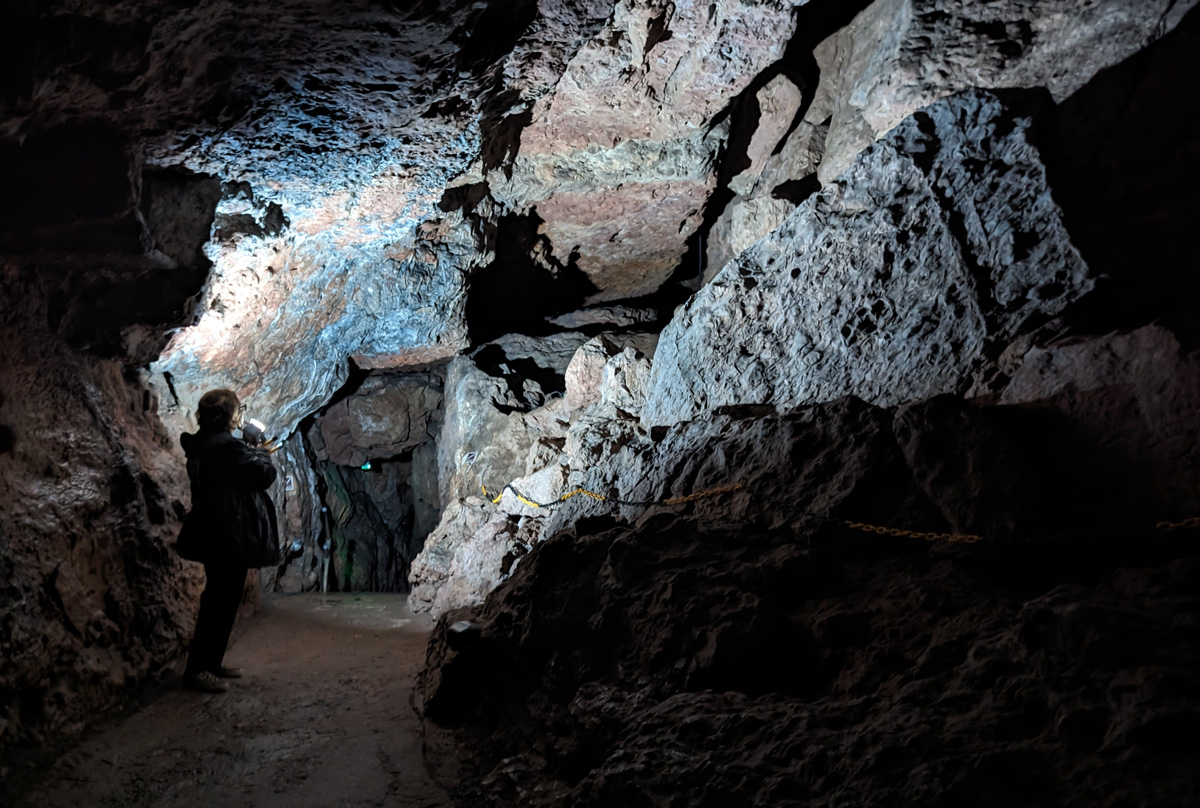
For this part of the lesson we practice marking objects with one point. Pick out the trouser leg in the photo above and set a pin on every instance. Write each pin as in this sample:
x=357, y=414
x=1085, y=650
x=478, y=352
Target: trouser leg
x=218, y=610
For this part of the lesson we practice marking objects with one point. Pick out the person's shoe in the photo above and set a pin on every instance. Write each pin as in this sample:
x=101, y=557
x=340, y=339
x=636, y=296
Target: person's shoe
x=204, y=682
x=224, y=672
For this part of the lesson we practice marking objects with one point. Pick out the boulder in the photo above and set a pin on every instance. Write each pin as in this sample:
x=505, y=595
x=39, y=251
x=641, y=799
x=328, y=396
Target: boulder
x=388, y=415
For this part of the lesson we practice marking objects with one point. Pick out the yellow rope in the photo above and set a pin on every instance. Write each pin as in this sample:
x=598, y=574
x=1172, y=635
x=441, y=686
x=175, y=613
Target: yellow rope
x=1192, y=523
x=711, y=493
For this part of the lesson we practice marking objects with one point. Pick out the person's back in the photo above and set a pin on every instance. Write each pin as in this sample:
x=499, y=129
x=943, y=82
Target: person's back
x=230, y=528
x=233, y=515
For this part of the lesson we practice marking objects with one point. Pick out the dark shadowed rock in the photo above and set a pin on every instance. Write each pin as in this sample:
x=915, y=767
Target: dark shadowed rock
x=802, y=663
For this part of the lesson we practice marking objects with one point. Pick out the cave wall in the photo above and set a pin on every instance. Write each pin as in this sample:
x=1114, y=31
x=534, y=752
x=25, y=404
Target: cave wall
x=101, y=256
x=94, y=602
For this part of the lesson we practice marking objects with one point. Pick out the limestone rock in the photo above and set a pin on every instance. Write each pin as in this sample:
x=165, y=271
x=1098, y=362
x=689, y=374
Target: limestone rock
x=1135, y=394
x=302, y=527
x=92, y=492
x=608, y=316
x=901, y=55
x=334, y=143
x=478, y=541
x=778, y=103
x=768, y=191
x=942, y=242
x=743, y=222
x=431, y=570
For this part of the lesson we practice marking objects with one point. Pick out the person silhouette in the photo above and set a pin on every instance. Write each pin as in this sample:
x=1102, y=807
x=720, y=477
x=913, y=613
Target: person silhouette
x=230, y=528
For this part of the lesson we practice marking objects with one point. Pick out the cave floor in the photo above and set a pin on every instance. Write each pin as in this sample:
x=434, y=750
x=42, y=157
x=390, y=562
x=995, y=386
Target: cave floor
x=321, y=718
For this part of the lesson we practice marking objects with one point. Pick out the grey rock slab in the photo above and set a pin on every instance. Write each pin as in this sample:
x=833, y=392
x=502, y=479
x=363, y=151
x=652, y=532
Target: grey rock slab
x=386, y=416
x=942, y=241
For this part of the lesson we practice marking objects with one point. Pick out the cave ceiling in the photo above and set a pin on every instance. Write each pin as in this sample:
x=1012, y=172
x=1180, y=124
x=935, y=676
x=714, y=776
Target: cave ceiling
x=365, y=150
x=266, y=196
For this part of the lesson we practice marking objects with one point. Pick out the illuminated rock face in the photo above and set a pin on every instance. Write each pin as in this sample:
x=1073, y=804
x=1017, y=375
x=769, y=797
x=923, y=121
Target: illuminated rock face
x=619, y=160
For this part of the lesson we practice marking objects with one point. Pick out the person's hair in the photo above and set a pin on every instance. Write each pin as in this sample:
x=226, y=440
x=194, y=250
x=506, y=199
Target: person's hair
x=217, y=409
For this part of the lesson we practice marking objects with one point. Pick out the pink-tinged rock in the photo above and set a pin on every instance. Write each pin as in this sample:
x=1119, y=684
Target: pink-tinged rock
x=778, y=103
x=91, y=493
x=629, y=238
x=385, y=417
x=743, y=222
x=617, y=161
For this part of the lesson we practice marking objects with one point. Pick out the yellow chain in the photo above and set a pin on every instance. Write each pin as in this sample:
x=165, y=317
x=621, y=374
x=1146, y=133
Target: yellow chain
x=965, y=538
x=1192, y=523
x=710, y=493
x=602, y=498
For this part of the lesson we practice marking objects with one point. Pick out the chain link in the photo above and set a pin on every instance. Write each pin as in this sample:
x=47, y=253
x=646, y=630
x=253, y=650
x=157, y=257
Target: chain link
x=1191, y=523
x=601, y=498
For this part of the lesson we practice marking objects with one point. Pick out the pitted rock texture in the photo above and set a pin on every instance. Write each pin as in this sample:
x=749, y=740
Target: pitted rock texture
x=796, y=662
x=825, y=669
x=336, y=137
x=901, y=55
x=897, y=283
x=481, y=537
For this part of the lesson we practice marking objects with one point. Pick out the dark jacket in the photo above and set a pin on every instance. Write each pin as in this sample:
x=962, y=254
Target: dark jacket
x=232, y=521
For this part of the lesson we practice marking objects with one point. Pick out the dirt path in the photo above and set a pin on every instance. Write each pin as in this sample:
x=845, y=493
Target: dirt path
x=321, y=718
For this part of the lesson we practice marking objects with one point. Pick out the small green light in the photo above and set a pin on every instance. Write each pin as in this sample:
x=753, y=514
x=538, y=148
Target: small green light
x=366, y=466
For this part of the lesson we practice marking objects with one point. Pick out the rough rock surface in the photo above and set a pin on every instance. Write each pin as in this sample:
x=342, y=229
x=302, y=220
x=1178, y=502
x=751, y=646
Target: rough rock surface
x=301, y=524
x=478, y=541
x=335, y=142
x=899, y=282
x=619, y=159
x=901, y=55
x=755, y=210
x=93, y=600
x=796, y=662
x=1136, y=395
x=297, y=198
x=387, y=416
